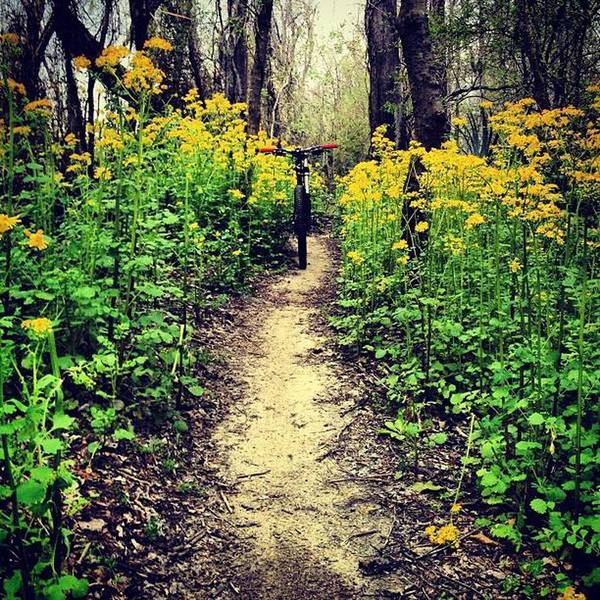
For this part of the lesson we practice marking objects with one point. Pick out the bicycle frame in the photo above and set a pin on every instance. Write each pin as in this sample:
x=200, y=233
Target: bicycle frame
x=302, y=206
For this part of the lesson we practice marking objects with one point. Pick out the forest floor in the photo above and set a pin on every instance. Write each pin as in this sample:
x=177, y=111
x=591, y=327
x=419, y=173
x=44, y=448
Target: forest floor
x=284, y=488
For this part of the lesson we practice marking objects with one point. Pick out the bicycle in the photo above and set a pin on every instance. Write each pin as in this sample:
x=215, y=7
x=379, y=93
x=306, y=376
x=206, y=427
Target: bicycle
x=302, y=206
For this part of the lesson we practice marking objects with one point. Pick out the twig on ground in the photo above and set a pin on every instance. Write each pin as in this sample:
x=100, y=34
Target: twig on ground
x=226, y=502
x=257, y=474
x=362, y=534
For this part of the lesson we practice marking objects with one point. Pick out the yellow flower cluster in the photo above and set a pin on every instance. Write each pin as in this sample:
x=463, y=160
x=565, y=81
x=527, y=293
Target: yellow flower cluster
x=79, y=162
x=110, y=57
x=356, y=257
x=569, y=593
x=36, y=240
x=102, y=173
x=158, y=43
x=446, y=534
x=143, y=75
x=82, y=62
x=7, y=223
x=43, y=106
x=40, y=326
x=10, y=38
x=15, y=86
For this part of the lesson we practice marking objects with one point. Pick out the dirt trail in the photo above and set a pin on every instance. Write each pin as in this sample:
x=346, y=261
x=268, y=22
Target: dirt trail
x=305, y=522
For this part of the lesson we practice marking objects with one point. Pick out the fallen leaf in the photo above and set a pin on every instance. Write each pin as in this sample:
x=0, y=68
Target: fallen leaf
x=484, y=539
x=92, y=525
x=425, y=486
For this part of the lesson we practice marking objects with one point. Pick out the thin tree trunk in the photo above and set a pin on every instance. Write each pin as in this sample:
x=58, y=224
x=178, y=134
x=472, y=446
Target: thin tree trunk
x=75, y=122
x=141, y=12
x=384, y=64
x=234, y=54
x=424, y=74
x=257, y=76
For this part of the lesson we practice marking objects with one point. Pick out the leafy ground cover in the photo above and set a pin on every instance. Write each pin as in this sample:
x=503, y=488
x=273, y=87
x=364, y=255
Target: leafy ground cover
x=474, y=287
x=107, y=259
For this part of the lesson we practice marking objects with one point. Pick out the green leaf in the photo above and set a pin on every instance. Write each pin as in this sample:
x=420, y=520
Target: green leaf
x=42, y=474
x=77, y=587
x=52, y=445
x=439, y=438
x=180, y=426
x=93, y=447
x=196, y=390
x=13, y=585
x=54, y=592
x=539, y=506
x=536, y=419
x=123, y=434
x=62, y=421
x=31, y=492
x=425, y=486
x=489, y=479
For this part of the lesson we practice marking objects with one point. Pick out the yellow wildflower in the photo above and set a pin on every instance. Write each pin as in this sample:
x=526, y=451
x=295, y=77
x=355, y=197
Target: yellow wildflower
x=486, y=104
x=70, y=139
x=355, y=257
x=22, y=130
x=143, y=75
x=446, y=534
x=474, y=220
x=236, y=252
x=15, y=86
x=400, y=245
x=403, y=260
x=102, y=173
x=570, y=593
x=7, y=223
x=43, y=106
x=158, y=43
x=82, y=62
x=36, y=240
x=39, y=326
x=421, y=226
x=515, y=265
x=459, y=121
x=455, y=508
x=111, y=56
x=236, y=194
x=10, y=38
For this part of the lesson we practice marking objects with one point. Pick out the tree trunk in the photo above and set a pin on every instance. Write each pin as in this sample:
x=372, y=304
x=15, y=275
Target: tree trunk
x=141, y=12
x=234, y=54
x=527, y=41
x=199, y=74
x=424, y=74
x=35, y=42
x=75, y=122
x=383, y=63
x=257, y=76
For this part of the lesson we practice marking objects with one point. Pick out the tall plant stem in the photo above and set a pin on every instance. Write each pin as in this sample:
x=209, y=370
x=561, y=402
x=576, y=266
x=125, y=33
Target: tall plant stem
x=580, y=351
x=465, y=460
x=9, y=190
x=19, y=542
x=56, y=509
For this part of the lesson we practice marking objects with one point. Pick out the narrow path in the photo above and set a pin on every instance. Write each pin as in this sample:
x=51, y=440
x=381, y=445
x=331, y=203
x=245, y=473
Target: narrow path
x=304, y=521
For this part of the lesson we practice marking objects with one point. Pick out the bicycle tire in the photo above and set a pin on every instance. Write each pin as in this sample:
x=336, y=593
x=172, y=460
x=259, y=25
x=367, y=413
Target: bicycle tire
x=301, y=223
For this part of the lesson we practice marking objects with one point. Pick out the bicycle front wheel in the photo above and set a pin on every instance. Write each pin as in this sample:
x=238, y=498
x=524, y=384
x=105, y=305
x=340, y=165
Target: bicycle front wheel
x=301, y=222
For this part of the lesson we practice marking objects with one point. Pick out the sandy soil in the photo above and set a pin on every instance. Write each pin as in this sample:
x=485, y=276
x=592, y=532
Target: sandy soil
x=308, y=522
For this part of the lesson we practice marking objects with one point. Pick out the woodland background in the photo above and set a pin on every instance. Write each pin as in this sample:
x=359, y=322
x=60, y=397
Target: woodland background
x=408, y=64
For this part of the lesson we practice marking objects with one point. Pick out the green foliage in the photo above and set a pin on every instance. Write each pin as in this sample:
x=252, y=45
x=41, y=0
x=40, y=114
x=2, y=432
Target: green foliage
x=105, y=262
x=475, y=295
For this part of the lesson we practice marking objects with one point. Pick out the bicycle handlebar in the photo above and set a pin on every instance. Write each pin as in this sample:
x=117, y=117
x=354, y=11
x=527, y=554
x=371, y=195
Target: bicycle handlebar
x=278, y=150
